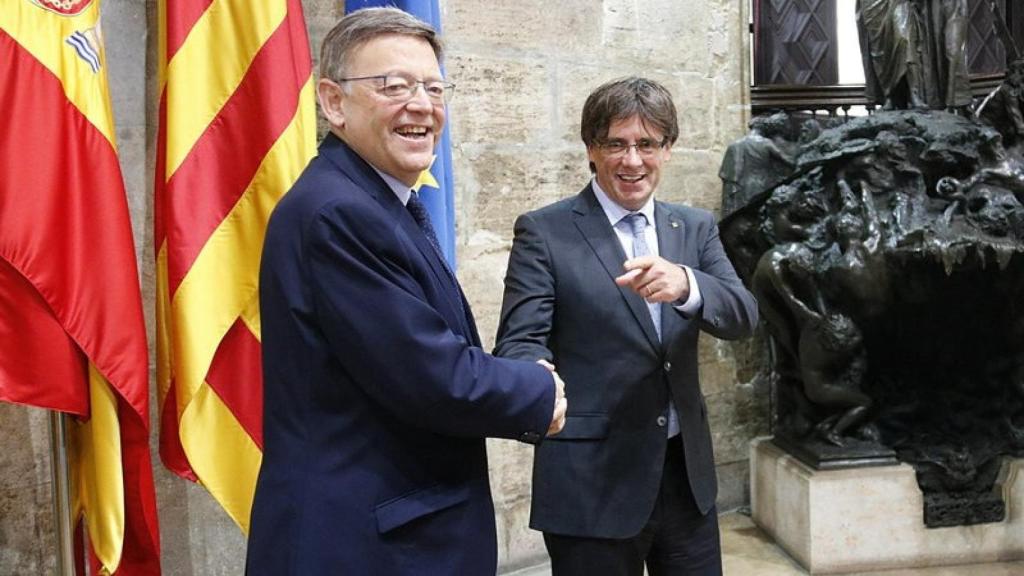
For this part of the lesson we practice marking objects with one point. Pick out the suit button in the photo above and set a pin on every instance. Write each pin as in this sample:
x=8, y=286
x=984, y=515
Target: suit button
x=668, y=366
x=530, y=437
x=662, y=421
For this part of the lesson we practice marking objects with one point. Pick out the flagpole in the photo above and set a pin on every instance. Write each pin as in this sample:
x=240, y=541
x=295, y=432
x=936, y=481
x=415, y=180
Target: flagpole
x=61, y=494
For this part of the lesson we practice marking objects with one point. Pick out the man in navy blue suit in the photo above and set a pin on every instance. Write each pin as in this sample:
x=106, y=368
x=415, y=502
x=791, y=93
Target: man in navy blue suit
x=378, y=396
x=614, y=287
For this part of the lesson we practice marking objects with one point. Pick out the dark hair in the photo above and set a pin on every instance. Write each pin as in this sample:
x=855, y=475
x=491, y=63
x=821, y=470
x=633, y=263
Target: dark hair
x=624, y=98
x=361, y=26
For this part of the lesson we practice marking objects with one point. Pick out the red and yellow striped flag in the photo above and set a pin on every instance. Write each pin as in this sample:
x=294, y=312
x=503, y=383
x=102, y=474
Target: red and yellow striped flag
x=237, y=126
x=70, y=308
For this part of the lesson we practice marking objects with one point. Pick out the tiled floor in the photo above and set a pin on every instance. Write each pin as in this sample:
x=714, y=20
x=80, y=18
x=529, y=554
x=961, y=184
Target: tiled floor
x=747, y=551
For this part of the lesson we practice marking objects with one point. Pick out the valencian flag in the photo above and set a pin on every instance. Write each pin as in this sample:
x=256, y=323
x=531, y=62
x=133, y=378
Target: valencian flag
x=436, y=187
x=71, y=325
x=237, y=127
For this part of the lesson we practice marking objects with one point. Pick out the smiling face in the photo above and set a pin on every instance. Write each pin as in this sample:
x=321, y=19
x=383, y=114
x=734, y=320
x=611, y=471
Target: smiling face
x=397, y=138
x=629, y=179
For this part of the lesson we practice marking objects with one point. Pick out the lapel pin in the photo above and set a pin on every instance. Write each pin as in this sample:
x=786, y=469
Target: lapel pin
x=675, y=224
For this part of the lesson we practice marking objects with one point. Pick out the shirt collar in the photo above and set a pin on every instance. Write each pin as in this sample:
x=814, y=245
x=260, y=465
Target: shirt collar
x=397, y=186
x=614, y=212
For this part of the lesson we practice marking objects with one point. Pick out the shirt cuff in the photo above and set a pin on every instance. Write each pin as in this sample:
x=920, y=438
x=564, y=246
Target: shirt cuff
x=693, y=303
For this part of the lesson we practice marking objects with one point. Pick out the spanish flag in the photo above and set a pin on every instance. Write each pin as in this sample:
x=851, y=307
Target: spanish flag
x=237, y=127
x=70, y=308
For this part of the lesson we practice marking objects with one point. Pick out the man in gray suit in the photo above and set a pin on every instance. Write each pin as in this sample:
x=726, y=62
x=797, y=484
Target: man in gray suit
x=614, y=287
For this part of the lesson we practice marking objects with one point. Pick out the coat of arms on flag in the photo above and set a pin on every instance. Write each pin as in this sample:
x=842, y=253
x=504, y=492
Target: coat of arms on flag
x=63, y=7
x=86, y=44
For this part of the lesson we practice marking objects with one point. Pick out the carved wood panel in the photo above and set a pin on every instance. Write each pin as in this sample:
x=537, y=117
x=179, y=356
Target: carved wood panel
x=985, y=52
x=795, y=42
x=1015, y=19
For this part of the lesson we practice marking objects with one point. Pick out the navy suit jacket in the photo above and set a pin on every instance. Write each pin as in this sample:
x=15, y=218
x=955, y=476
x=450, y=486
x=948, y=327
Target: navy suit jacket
x=600, y=477
x=377, y=396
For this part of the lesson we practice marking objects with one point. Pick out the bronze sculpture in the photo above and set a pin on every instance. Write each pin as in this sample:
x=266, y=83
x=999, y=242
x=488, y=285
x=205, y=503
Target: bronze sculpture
x=885, y=267
x=759, y=160
x=1002, y=108
x=914, y=53
x=891, y=33
x=946, y=76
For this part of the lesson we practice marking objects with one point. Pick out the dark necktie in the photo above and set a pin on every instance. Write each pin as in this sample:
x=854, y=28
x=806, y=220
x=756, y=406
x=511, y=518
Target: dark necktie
x=422, y=218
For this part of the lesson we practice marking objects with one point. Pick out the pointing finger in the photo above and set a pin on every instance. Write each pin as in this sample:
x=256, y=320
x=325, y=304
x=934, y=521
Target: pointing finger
x=629, y=277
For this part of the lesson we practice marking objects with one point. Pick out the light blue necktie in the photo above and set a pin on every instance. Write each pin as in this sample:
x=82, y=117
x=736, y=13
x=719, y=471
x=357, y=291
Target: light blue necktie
x=637, y=225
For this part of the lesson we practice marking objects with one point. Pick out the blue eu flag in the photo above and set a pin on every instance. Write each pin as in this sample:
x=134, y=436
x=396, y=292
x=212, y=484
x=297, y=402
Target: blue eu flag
x=436, y=192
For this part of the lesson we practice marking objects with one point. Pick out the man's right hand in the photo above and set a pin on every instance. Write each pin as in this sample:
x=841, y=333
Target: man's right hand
x=561, y=403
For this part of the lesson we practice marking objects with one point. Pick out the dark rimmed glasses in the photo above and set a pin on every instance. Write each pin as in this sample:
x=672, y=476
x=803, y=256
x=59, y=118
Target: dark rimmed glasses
x=644, y=147
x=402, y=88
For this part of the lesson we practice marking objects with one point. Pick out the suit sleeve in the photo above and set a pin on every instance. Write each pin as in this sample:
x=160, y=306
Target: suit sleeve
x=730, y=310
x=393, y=343
x=528, y=305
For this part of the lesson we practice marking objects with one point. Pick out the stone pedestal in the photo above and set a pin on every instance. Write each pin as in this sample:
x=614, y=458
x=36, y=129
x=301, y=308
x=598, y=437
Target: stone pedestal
x=835, y=521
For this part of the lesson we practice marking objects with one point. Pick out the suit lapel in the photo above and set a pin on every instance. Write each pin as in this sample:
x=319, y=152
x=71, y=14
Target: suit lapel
x=442, y=275
x=593, y=224
x=367, y=179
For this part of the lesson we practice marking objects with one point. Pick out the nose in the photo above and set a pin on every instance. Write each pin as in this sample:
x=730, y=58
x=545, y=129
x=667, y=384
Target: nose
x=632, y=157
x=419, y=99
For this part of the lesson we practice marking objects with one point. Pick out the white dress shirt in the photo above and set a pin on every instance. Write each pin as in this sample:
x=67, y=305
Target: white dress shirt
x=397, y=186
x=615, y=213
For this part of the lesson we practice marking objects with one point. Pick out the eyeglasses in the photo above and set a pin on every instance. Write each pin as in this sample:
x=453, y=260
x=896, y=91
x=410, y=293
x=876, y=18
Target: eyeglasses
x=644, y=147
x=401, y=88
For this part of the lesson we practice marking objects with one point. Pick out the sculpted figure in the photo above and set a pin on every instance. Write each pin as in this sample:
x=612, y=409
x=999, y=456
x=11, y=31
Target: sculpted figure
x=821, y=347
x=891, y=33
x=950, y=190
x=857, y=272
x=755, y=162
x=1002, y=108
x=810, y=129
x=946, y=75
x=832, y=367
x=784, y=278
x=994, y=210
x=915, y=52
x=784, y=285
x=831, y=355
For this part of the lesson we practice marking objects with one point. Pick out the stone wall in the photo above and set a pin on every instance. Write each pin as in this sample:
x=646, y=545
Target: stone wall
x=523, y=70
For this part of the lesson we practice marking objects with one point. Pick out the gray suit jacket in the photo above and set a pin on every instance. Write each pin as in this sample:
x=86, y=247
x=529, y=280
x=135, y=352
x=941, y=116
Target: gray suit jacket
x=600, y=476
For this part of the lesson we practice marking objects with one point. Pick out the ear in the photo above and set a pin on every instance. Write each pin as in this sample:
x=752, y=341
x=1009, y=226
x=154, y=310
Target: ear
x=332, y=98
x=666, y=153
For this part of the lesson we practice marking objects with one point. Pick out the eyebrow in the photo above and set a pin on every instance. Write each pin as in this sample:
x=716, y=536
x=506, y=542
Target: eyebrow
x=430, y=78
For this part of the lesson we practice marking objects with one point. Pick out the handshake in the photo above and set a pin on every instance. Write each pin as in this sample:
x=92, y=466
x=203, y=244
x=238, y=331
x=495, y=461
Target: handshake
x=561, y=404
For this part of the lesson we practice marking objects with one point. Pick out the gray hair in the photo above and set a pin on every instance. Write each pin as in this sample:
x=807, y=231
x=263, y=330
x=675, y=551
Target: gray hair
x=625, y=98
x=361, y=26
